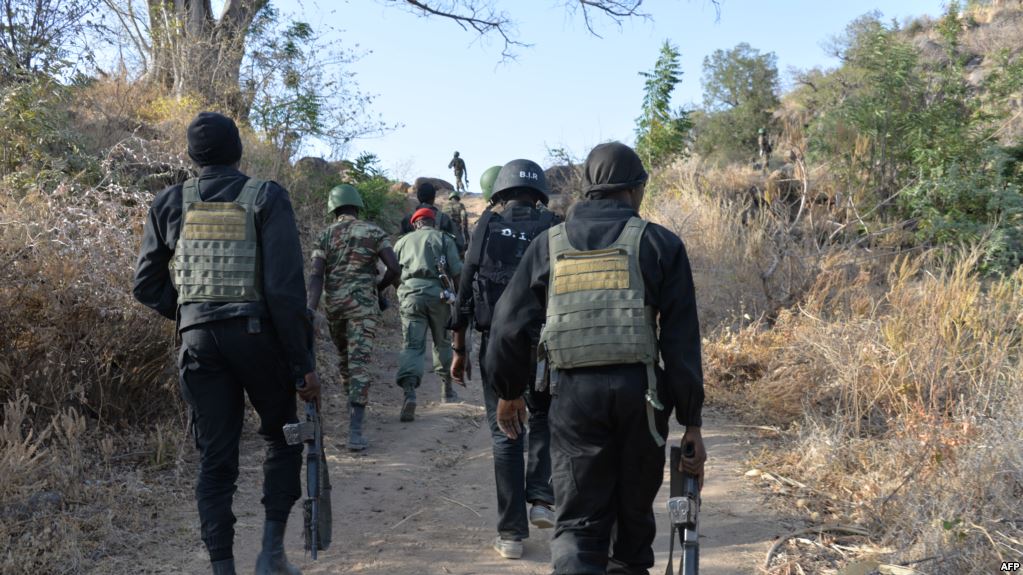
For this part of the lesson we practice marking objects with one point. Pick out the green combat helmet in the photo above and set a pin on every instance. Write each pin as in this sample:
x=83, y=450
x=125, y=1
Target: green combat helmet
x=454, y=195
x=487, y=181
x=344, y=195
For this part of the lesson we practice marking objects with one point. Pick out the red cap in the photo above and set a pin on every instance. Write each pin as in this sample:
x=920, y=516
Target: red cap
x=423, y=213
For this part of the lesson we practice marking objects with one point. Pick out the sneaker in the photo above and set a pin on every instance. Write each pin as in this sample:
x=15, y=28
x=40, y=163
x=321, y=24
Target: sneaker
x=508, y=548
x=541, y=516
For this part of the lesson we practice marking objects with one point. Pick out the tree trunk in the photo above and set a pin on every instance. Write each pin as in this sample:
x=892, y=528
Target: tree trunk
x=196, y=55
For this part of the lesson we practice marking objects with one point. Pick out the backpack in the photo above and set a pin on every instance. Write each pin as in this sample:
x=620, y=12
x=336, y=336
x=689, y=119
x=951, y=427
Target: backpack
x=498, y=255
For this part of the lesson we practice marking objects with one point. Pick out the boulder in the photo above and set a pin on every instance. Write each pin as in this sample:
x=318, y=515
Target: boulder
x=437, y=183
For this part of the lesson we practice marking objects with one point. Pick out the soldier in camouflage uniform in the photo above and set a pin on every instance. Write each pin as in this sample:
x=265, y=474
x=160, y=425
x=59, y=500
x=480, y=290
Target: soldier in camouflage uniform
x=461, y=174
x=345, y=267
x=455, y=210
x=422, y=254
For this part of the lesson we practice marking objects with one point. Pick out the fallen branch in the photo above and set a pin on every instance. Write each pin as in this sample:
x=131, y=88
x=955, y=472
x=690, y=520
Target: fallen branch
x=449, y=500
x=407, y=517
x=818, y=530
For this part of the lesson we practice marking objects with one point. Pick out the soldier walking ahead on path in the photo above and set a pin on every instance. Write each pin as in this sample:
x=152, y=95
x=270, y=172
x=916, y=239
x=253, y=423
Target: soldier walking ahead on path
x=496, y=248
x=345, y=267
x=455, y=210
x=426, y=193
x=221, y=254
x=461, y=174
x=604, y=283
x=423, y=254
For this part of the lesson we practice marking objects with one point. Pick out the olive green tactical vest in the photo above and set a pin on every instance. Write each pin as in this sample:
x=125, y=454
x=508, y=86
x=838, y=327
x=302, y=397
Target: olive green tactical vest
x=595, y=309
x=217, y=255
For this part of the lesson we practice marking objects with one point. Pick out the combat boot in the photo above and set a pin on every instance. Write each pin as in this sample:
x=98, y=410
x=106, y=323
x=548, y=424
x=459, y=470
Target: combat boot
x=356, y=414
x=408, y=408
x=223, y=567
x=447, y=391
x=272, y=560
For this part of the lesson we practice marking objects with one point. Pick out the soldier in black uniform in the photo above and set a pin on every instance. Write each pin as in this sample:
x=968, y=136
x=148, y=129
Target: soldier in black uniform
x=243, y=328
x=497, y=246
x=606, y=429
x=426, y=193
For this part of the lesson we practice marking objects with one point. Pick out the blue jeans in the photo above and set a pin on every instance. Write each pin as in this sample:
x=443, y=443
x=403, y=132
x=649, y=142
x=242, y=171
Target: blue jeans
x=519, y=480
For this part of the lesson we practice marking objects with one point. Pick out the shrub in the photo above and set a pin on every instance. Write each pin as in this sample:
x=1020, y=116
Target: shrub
x=902, y=388
x=66, y=281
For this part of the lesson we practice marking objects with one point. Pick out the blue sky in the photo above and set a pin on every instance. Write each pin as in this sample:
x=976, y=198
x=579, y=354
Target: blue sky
x=451, y=91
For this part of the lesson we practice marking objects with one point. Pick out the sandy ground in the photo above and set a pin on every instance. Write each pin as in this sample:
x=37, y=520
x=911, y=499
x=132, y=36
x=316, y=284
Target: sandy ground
x=421, y=499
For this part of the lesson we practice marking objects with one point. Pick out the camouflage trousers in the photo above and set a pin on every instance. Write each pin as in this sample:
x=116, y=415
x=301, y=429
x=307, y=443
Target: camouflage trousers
x=421, y=316
x=354, y=341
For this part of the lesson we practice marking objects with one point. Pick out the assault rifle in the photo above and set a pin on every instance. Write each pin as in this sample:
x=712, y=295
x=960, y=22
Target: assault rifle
x=684, y=512
x=468, y=351
x=317, y=509
x=447, y=294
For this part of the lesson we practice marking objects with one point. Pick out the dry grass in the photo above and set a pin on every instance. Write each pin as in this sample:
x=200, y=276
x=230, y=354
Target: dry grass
x=897, y=376
x=92, y=441
x=903, y=396
x=748, y=261
x=91, y=415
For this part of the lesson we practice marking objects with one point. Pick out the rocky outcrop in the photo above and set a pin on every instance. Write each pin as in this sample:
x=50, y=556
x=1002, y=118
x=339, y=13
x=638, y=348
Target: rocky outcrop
x=437, y=183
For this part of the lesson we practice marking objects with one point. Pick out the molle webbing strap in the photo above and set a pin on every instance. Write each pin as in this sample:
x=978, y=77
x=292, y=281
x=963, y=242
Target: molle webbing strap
x=596, y=311
x=217, y=258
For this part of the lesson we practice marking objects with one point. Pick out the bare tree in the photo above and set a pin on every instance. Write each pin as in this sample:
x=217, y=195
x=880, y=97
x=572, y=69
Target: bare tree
x=186, y=48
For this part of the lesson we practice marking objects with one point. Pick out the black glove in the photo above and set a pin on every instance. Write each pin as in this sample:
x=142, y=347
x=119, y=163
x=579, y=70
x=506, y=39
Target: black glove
x=383, y=302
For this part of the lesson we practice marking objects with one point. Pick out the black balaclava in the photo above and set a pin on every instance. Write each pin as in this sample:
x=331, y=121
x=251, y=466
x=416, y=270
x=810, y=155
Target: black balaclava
x=612, y=167
x=213, y=140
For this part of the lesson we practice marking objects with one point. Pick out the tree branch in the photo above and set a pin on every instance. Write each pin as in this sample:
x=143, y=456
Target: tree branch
x=481, y=18
x=616, y=10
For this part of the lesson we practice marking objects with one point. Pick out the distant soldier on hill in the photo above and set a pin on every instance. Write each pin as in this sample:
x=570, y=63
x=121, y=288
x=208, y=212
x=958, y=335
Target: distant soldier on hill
x=345, y=268
x=461, y=174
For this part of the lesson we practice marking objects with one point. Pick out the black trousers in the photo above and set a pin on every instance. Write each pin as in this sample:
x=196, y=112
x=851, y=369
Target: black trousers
x=607, y=470
x=519, y=482
x=219, y=362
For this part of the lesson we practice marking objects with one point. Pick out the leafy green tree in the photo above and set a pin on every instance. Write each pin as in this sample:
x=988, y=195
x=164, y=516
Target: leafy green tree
x=740, y=91
x=661, y=132
x=300, y=89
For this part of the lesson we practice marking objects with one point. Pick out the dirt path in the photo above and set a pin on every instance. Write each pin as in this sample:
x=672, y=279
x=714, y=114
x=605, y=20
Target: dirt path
x=421, y=499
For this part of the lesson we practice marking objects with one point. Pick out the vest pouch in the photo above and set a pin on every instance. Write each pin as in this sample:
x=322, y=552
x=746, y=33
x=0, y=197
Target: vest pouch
x=217, y=257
